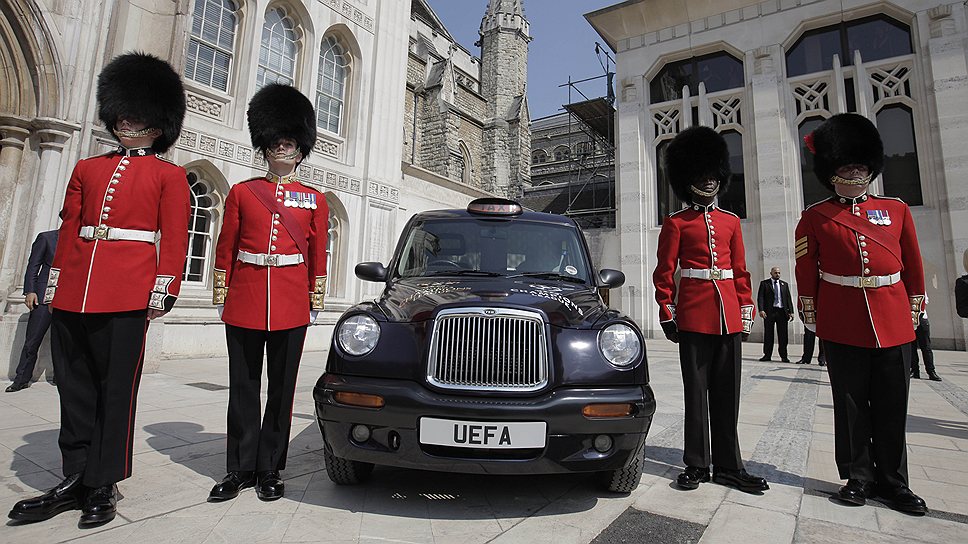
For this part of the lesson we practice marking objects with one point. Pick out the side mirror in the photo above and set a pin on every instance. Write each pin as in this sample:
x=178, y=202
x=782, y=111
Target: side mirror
x=377, y=272
x=611, y=279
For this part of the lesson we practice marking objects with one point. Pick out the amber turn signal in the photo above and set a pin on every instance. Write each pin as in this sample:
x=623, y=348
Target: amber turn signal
x=623, y=409
x=359, y=399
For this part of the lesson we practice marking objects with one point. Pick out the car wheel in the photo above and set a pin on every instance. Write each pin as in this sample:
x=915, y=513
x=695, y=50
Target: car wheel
x=626, y=479
x=344, y=471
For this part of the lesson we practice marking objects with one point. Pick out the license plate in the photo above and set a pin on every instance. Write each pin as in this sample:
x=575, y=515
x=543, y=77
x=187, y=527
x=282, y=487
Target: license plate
x=483, y=434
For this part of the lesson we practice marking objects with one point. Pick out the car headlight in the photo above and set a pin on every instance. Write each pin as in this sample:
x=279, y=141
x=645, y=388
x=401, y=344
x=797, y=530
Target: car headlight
x=619, y=344
x=358, y=335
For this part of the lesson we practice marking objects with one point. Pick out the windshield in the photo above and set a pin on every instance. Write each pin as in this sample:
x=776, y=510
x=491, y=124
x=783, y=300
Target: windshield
x=493, y=248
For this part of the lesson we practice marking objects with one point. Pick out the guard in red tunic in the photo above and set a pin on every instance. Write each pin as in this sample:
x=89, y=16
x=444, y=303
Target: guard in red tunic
x=270, y=275
x=713, y=309
x=861, y=288
x=118, y=264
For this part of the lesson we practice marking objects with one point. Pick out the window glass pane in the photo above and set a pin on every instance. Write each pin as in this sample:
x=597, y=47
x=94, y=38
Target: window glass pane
x=814, y=52
x=720, y=72
x=278, y=51
x=901, y=174
x=667, y=202
x=670, y=81
x=734, y=199
x=813, y=191
x=878, y=39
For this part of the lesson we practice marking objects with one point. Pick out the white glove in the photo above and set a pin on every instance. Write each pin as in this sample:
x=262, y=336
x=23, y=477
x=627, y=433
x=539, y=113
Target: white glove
x=221, y=308
x=312, y=316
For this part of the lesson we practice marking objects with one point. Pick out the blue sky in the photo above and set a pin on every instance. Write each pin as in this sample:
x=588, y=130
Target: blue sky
x=563, y=44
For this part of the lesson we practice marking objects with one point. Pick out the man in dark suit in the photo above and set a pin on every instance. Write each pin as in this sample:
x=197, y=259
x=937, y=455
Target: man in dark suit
x=776, y=309
x=38, y=321
x=961, y=291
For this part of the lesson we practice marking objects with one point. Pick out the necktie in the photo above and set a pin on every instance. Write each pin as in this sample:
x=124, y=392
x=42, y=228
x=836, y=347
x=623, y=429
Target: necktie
x=777, y=303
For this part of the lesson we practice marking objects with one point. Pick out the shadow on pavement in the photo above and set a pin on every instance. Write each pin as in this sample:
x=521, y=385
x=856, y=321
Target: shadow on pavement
x=204, y=453
x=27, y=471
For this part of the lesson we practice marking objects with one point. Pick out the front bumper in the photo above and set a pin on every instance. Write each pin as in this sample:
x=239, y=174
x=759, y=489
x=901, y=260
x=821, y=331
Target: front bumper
x=394, y=428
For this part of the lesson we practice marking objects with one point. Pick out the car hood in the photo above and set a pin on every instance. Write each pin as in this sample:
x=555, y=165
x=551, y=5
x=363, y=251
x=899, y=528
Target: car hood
x=564, y=304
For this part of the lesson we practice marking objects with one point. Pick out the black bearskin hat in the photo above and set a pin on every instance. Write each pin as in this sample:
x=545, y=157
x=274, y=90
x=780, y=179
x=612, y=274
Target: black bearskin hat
x=845, y=138
x=280, y=111
x=143, y=87
x=696, y=153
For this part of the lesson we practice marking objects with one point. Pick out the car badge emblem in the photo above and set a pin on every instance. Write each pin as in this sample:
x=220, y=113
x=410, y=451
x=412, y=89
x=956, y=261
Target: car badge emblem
x=489, y=312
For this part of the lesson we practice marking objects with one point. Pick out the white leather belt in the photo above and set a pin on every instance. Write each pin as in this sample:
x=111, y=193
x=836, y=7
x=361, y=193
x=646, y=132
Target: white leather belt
x=707, y=273
x=270, y=259
x=861, y=282
x=104, y=232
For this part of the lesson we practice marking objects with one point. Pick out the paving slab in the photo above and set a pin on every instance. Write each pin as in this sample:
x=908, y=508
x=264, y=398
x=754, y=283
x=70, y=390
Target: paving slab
x=786, y=425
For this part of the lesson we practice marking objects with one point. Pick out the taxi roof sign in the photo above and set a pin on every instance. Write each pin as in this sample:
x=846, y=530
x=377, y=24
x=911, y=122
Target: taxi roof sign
x=494, y=206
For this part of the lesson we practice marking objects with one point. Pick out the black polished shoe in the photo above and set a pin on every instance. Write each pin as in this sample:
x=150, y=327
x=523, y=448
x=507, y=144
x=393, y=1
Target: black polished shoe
x=100, y=506
x=856, y=492
x=765, y=358
x=802, y=362
x=915, y=376
x=933, y=376
x=270, y=486
x=692, y=477
x=784, y=360
x=231, y=485
x=904, y=500
x=822, y=363
x=14, y=387
x=66, y=496
x=740, y=479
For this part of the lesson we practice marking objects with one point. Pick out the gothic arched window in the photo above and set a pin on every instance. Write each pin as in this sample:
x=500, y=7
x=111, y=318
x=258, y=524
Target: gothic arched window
x=332, y=242
x=718, y=71
x=878, y=37
x=562, y=153
x=200, y=224
x=331, y=85
x=277, y=54
x=539, y=157
x=211, y=43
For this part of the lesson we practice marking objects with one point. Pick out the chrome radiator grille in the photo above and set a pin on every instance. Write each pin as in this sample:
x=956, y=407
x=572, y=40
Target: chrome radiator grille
x=489, y=349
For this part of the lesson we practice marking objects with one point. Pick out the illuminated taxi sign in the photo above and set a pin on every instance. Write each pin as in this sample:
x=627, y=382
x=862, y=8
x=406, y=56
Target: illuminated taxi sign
x=494, y=206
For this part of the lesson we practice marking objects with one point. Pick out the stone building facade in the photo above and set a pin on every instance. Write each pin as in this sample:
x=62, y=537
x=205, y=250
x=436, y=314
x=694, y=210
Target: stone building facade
x=364, y=63
x=765, y=73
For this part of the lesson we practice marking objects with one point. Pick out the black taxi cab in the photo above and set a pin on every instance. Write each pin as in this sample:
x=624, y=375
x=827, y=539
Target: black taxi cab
x=491, y=351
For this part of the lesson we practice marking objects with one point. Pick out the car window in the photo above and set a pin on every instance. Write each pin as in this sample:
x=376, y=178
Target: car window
x=441, y=246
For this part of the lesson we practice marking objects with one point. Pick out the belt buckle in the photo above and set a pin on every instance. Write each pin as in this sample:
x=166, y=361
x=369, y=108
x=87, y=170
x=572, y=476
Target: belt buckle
x=272, y=260
x=715, y=274
x=868, y=281
x=101, y=232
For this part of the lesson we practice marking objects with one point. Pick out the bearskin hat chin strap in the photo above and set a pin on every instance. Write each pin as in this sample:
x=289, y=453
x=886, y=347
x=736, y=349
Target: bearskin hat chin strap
x=283, y=156
x=837, y=180
x=697, y=191
x=134, y=133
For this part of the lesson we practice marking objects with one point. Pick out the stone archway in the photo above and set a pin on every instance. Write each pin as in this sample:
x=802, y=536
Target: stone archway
x=29, y=86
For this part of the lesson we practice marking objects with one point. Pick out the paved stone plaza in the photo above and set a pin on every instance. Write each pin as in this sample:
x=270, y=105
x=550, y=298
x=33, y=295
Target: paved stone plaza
x=786, y=432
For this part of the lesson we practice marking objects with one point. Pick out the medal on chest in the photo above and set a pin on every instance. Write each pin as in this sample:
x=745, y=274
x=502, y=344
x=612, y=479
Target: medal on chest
x=879, y=217
x=295, y=199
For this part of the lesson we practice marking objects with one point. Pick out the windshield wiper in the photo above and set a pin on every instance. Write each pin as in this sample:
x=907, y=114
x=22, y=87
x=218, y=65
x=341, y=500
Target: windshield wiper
x=464, y=272
x=550, y=276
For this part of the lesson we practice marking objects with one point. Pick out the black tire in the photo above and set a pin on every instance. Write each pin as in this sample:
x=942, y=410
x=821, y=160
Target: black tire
x=626, y=479
x=345, y=472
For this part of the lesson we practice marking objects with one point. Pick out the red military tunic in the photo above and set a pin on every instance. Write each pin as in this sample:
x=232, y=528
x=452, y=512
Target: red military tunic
x=128, y=189
x=267, y=297
x=866, y=237
x=700, y=237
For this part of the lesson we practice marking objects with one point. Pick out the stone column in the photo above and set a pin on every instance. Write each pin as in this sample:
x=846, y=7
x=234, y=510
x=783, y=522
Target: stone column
x=52, y=177
x=15, y=133
x=949, y=92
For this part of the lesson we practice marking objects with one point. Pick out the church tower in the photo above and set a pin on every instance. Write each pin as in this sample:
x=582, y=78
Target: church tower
x=505, y=34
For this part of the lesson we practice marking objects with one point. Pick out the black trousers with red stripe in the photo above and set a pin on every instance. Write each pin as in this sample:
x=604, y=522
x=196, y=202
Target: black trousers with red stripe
x=251, y=445
x=97, y=361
